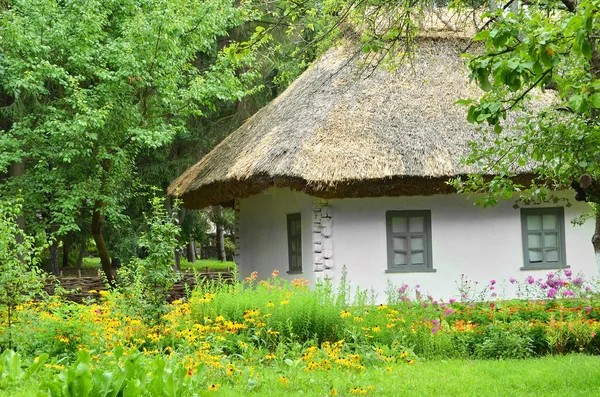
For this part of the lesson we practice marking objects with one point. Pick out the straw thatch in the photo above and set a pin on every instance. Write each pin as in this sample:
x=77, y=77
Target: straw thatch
x=336, y=132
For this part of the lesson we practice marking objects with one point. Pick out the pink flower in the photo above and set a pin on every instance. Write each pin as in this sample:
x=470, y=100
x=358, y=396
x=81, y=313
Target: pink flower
x=530, y=280
x=491, y=287
x=588, y=309
x=587, y=288
x=512, y=280
x=568, y=273
x=492, y=282
x=449, y=311
x=551, y=292
x=452, y=300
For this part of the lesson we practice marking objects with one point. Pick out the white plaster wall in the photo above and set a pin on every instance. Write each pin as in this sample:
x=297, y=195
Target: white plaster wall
x=482, y=244
x=263, y=233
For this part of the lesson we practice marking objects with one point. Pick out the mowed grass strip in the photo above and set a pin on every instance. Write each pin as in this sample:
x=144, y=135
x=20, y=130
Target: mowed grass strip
x=572, y=375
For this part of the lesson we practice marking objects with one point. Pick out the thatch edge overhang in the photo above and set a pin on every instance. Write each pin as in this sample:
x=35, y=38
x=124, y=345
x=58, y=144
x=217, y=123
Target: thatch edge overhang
x=225, y=193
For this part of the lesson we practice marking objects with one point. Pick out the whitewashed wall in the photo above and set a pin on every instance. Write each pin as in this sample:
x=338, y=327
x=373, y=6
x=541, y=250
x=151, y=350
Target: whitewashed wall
x=263, y=233
x=483, y=244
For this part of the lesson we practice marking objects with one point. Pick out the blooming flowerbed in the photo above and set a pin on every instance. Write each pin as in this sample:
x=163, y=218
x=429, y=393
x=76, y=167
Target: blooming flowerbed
x=224, y=336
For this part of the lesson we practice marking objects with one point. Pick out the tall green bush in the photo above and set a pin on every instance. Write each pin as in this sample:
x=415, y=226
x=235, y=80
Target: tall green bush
x=20, y=278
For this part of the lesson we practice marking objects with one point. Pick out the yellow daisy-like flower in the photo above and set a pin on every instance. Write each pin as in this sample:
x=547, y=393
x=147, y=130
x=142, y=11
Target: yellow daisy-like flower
x=214, y=387
x=345, y=313
x=283, y=381
x=333, y=392
x=270, y=356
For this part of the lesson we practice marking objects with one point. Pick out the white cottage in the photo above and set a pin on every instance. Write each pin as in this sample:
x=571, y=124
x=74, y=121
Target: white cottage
x=345, y=169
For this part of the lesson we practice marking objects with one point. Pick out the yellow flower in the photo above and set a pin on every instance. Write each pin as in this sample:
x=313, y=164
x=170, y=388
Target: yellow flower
x=214, y=387
x=333, y=392
x=270, y=304
x=285, y=302
x=403, y=354
x=283, y=380
x=411, y=362
x=92, y=291
x=358, y=319
x=270, y=357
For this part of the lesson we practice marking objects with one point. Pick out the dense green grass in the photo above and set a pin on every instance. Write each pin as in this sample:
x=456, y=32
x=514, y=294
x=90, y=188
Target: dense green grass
x=201, y=264
x=211, y=264
x=572, y=375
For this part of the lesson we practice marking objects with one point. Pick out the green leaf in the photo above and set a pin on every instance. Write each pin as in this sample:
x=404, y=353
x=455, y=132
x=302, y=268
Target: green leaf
x=595, y=100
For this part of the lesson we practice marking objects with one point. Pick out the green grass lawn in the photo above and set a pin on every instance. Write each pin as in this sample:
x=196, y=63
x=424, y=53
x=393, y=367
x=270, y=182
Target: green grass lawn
x=201, y=264
x=571, y=375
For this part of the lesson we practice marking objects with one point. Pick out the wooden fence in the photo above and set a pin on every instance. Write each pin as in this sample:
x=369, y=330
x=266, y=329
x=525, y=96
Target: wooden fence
x=79, y=287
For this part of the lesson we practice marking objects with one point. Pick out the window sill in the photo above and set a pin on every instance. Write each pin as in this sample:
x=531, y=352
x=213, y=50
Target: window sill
x=294, y=272
x=544, y=267
x=411, y=271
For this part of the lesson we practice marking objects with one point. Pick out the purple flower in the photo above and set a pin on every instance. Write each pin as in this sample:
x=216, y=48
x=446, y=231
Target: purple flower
x=434, y=303
x=435, y=322
x=425, y=304
x=568, y=273
x=512, y=280
x=494, y=294
x=471, y=304
x=588, y=309
x=449, y=311
x=568, y=292
x=578, y=281
x=544, y=286
x=530, y=280
x=418, y=286
x=434, y=330
x=452, y=300
x=587, y=288
x=491, y=287
x=551, y=292
x=463, y=296
x=443, y=305
x=550, y=275
x=492, y=282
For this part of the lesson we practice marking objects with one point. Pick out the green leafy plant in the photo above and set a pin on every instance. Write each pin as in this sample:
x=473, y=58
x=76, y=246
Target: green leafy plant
x=20, y=278
x=148, y=280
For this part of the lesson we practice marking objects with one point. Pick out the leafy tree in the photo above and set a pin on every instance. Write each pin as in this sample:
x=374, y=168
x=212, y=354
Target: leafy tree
x=20, y=278
x=541, y=46
x=90, y=84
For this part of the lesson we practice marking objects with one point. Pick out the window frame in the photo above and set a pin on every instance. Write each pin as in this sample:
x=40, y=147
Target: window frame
x=427, y=241
x=297, y=216
x=562, y=256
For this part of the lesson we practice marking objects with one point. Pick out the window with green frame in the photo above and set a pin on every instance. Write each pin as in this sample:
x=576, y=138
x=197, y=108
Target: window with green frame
x=409, y=241
x=543, y=234
x=294, y=235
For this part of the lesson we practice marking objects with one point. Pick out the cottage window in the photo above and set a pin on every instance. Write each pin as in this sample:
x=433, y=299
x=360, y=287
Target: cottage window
x=543, y=231
x=409, y=241
x=294, y=233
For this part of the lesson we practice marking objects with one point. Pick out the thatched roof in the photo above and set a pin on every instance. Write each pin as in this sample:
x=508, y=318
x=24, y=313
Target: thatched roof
x=337, y=133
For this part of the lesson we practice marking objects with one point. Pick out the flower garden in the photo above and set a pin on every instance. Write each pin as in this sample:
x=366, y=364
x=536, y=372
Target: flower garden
x=272, y=336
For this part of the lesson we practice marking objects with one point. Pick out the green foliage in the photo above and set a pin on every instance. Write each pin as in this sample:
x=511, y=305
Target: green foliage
x=526, y=50
x=20, y=278
x=11, y=368
x=148, y=280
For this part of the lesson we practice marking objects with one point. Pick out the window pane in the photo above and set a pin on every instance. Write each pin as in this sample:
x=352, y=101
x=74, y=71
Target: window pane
x=550, y=221
x=399, y=258
x=399, y=243
x=417, y=224
x=399, y=225
x=534, y=240
x=294, y=247
x=416, y=243
x=552, y=255
x=551, y=240
x=534, y=222
x=417, y=258
x=535, y=256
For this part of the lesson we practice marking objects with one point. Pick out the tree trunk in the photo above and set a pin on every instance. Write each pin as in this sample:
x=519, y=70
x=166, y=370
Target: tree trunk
x=53, y=262
x=66, y=251
x=191, y=251
x=97, y=222
x=81, y=255
x=220, y=243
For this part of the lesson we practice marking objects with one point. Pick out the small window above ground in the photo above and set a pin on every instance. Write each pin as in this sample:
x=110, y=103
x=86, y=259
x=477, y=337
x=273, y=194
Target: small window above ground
x=294, y=234
x=409, y=241
x=543, y=233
